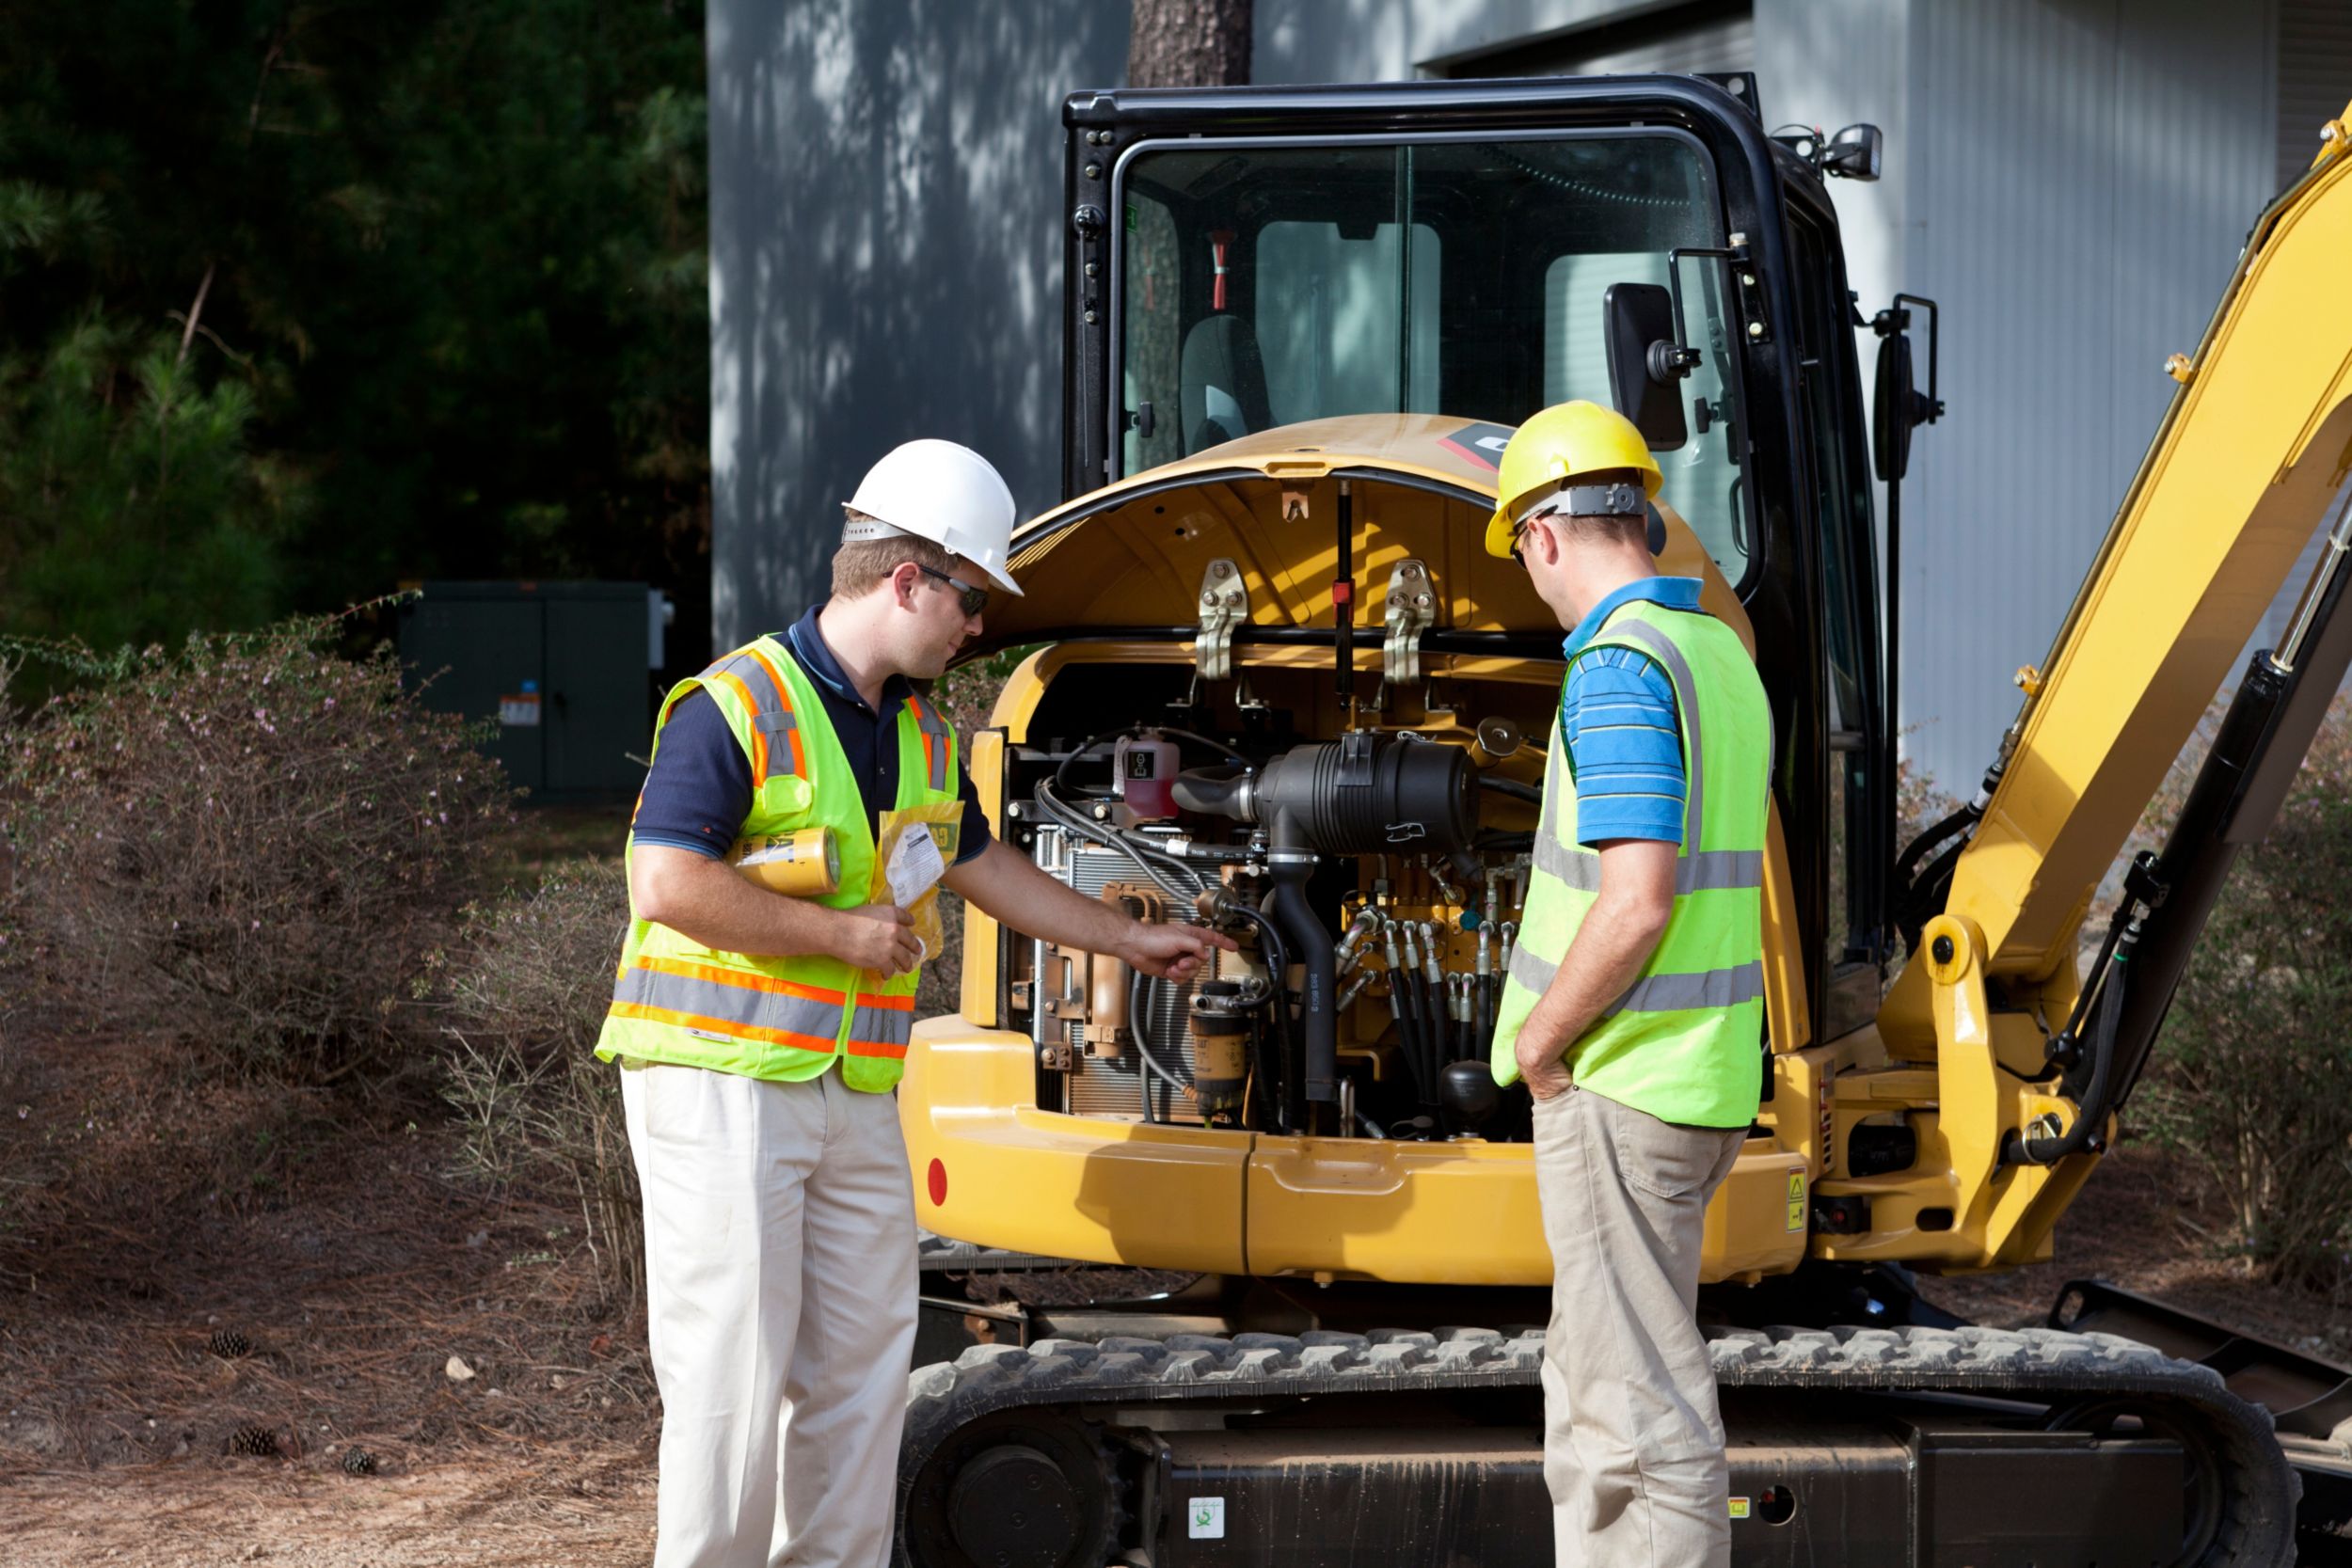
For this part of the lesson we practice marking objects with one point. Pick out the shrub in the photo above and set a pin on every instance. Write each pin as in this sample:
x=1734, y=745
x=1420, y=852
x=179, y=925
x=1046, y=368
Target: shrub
x=2253, y=1082
x=249, y=843
x=525, y=995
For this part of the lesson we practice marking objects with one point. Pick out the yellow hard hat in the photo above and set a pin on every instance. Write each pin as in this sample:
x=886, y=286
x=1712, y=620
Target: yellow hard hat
x=1563, y=442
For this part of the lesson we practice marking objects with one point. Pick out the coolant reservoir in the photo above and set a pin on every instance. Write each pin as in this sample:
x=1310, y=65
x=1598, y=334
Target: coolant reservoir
x=1145, y=768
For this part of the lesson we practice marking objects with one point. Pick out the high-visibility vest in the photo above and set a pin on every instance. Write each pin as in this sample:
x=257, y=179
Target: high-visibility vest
x=782, y=1018
x=1684, y=1042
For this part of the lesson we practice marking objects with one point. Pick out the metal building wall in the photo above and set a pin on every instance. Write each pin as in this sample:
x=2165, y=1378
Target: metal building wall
x=2080, y=177
x=886, y=190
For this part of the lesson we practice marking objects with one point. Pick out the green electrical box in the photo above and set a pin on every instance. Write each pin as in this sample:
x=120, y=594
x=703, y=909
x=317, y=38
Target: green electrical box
x=566, y=669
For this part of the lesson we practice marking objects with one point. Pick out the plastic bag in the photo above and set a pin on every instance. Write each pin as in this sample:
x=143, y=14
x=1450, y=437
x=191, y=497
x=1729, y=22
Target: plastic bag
x=914, y=848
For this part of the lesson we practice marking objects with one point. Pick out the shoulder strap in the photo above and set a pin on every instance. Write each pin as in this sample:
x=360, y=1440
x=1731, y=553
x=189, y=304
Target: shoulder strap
x=755, y=681
x=938, y=740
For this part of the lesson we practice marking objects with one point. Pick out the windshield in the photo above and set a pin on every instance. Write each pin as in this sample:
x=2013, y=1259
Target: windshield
x=1261, y=285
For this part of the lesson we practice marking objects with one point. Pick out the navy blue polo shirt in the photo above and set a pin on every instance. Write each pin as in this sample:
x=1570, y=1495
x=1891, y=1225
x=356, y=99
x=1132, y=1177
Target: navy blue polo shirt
x=699, y=789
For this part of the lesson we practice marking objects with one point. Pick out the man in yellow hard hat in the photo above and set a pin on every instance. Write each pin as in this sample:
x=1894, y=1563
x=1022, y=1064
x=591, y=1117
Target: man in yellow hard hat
x=1633, y=1007
x=760, y=1035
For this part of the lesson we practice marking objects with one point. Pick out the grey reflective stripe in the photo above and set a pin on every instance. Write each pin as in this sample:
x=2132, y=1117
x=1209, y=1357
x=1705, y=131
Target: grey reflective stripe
x=1529, y=970
x=1706, y=871
x=777, y=724
x=752, y=672
x=1658, y=993
x=927, y=719
x=1679, y=993
x=773, y=1011
x=771, y=708
x=1686, y=698
x=882, y=1025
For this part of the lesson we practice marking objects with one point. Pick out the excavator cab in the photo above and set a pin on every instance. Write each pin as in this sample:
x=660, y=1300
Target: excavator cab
x=1275, y=683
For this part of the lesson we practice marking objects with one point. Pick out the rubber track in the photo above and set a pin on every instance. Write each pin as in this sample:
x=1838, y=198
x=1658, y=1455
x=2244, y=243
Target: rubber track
x=2048, y=1366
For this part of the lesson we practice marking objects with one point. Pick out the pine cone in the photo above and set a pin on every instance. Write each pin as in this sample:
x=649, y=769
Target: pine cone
x=254, y=1438
x=359, y=1462
x=228, y=1344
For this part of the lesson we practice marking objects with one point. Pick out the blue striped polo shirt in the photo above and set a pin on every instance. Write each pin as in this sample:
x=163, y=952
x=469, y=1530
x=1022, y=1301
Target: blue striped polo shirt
x=1617, y=720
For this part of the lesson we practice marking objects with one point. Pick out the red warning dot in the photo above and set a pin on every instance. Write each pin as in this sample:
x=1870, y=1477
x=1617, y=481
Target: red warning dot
x=937, y=1183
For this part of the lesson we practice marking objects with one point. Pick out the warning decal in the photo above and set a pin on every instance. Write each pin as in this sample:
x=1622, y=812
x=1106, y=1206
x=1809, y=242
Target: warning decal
x=1796, y=1200
x=1481, y=443
x=1738, y=1508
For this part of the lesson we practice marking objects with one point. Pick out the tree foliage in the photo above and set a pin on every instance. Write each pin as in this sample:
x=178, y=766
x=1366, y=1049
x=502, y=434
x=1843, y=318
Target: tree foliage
x=298, y=301
x=2254, y=1078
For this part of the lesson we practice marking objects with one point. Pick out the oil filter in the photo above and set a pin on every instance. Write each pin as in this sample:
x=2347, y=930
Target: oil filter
x=799, y=865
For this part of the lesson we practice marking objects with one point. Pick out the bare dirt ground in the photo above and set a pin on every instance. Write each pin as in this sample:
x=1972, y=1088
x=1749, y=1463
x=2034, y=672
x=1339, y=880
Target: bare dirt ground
x=143, y=1211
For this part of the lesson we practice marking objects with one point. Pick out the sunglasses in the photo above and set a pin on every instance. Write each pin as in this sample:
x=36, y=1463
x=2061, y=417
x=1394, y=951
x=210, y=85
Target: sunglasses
x=971, y=600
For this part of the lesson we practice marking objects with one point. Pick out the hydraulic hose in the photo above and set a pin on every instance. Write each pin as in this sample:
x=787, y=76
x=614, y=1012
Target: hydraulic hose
x=2091, y=1116
x=1512, y=788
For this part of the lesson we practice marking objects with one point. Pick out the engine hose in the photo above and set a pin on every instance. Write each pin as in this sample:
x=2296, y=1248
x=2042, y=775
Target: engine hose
x=1139, y=1000
x=1513, y=788
x=1155, y=866
x=1278, y=973
x=1290, y=864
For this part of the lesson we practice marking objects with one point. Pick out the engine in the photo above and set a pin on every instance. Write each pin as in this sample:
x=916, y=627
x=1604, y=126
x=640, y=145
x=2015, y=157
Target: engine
x=1374, y=883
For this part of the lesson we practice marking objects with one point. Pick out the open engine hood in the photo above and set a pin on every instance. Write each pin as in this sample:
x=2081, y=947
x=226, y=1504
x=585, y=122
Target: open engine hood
x=1129, y=561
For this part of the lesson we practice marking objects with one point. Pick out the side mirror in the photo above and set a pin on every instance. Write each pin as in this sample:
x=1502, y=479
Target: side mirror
x=1893, y=404
x=1897, y=406
x=1646, y=362
x=1855, y=152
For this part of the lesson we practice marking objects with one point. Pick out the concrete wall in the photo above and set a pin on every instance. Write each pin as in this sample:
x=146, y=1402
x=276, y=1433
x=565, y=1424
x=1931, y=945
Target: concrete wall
x=885, y=180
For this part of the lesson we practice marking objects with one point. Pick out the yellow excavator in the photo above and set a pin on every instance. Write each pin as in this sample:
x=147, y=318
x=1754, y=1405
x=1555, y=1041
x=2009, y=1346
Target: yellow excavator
x=1277, y=685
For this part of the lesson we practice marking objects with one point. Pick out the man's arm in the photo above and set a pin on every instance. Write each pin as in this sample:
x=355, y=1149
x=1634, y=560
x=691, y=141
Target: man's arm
x=1619, y=933
x=708, y=901
x=1004, y=884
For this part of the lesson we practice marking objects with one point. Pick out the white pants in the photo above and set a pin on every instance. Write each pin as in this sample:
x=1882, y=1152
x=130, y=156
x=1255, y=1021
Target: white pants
x=780, y=1285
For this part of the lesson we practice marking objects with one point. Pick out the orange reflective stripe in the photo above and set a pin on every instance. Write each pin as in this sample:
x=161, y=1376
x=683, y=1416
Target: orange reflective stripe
x=784, y=701
x=759, y=741
x=740, y=979
x=877, y=1048
x=812, y=1043
x=897, y=1003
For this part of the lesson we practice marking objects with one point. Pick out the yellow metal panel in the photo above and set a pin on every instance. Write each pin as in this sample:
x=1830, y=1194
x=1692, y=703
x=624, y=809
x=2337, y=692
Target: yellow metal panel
x=1105, y=1191
x=977, y=1000
x=1466, y=1212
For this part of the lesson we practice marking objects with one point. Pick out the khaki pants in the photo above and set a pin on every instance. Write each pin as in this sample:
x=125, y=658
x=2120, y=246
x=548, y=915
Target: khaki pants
x=780, y=1287
x=1633, y=1441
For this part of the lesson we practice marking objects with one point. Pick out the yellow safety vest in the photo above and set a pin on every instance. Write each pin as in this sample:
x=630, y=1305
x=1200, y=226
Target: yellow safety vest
x=782, y=1018
x=1684, y=1042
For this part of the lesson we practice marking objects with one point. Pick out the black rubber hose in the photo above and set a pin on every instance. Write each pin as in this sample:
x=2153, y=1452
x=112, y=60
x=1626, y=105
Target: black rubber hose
x=1408, y=1027
x=1512, y=788
x=1310, y=942
x=2092, y=1115
x=1278, y=973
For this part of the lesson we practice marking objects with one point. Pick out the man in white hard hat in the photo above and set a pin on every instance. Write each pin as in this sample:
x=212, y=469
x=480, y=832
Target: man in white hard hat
x=760, y=1035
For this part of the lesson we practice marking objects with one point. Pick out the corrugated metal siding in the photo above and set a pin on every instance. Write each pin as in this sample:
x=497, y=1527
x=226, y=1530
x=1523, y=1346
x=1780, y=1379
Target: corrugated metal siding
x=2081, y=177
x=2314, y=77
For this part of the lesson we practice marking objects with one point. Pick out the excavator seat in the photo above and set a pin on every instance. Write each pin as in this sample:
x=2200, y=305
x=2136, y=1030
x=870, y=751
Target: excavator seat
x=1222, y=383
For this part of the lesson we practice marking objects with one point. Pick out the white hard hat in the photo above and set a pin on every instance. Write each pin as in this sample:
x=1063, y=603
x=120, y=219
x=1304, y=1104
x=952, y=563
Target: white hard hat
x=941, y=491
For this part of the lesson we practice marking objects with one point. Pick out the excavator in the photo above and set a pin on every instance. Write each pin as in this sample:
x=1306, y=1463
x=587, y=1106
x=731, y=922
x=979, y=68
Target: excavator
x=1273, y=683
